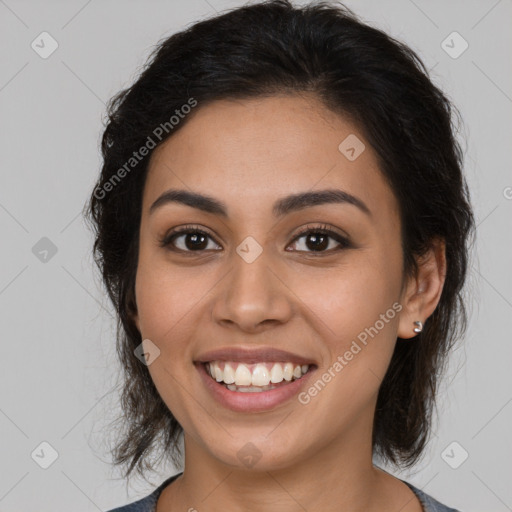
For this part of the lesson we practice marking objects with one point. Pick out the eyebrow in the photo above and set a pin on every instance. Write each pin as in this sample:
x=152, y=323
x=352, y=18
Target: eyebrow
x=281, y=207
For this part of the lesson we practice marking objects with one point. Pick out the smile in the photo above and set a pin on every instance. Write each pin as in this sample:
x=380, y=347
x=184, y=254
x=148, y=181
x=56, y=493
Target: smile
x=243, y=394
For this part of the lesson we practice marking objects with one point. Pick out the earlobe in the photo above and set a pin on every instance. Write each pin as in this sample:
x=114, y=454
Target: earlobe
x=424, y=290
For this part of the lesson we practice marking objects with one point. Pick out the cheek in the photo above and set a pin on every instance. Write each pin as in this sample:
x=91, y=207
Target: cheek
x=349, y=298
x=354, y=307
x=357, y=316
x=168, y=301
x=165, y=297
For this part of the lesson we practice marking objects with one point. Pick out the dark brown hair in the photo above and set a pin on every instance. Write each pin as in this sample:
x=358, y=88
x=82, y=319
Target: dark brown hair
x=355, y=70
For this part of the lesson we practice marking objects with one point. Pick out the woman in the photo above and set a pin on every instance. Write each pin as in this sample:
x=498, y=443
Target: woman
x=283, y=226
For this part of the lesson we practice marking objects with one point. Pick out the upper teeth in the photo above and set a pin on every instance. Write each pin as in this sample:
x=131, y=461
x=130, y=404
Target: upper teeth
x=259, y=374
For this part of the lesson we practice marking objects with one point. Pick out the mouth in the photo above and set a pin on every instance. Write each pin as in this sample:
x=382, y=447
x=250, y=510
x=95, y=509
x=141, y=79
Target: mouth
x=254, y=387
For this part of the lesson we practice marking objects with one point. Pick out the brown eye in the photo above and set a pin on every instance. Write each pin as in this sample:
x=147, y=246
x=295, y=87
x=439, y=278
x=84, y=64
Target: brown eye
x=320, y=240
x=187, y=240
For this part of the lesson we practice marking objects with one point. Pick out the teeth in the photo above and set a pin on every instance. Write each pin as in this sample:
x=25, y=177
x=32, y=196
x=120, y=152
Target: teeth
x=257, y=375
x=288, y=371
x=276, y=374
x=229, y=374
x=249, y=389
x=260, y=376
x=243, y=375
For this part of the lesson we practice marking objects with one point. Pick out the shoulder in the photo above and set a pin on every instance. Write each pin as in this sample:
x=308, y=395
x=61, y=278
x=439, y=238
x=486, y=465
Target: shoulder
x=429, y=503
x=148, y=503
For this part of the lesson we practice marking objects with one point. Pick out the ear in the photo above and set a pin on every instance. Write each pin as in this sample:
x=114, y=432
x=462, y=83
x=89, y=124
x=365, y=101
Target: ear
x=423, y=291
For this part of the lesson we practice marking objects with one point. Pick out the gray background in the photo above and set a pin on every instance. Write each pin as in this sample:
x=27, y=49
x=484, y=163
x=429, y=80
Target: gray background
x=58, y=367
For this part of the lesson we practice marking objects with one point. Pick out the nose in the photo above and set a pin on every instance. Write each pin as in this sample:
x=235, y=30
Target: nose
x=253, y=296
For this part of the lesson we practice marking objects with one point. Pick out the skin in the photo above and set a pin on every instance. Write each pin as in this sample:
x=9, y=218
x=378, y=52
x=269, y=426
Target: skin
x=247, y=154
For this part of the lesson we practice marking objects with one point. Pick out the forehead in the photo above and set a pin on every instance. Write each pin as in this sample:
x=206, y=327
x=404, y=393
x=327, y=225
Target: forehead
x=251, y=152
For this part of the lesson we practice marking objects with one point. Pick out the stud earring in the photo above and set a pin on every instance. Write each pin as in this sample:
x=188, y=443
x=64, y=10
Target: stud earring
x=419, y=328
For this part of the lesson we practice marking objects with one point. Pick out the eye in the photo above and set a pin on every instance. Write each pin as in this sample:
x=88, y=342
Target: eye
x=318, y=239
x=192, y=240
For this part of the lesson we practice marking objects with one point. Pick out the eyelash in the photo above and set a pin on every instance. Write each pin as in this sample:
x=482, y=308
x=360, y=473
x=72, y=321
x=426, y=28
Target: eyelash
x=166, y=241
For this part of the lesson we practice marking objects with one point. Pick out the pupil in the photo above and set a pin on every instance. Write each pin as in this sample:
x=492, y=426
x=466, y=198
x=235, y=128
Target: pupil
x=316, y=245
x=194, y=238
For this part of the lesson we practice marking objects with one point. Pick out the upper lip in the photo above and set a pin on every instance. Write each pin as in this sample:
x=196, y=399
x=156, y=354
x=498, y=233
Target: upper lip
x=250, y=356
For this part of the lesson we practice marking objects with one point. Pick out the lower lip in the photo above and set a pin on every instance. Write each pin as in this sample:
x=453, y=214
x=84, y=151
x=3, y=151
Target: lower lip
x=252, y=402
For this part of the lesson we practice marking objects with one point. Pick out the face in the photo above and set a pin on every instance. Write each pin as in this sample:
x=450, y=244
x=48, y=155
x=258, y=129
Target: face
x=255, y=278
